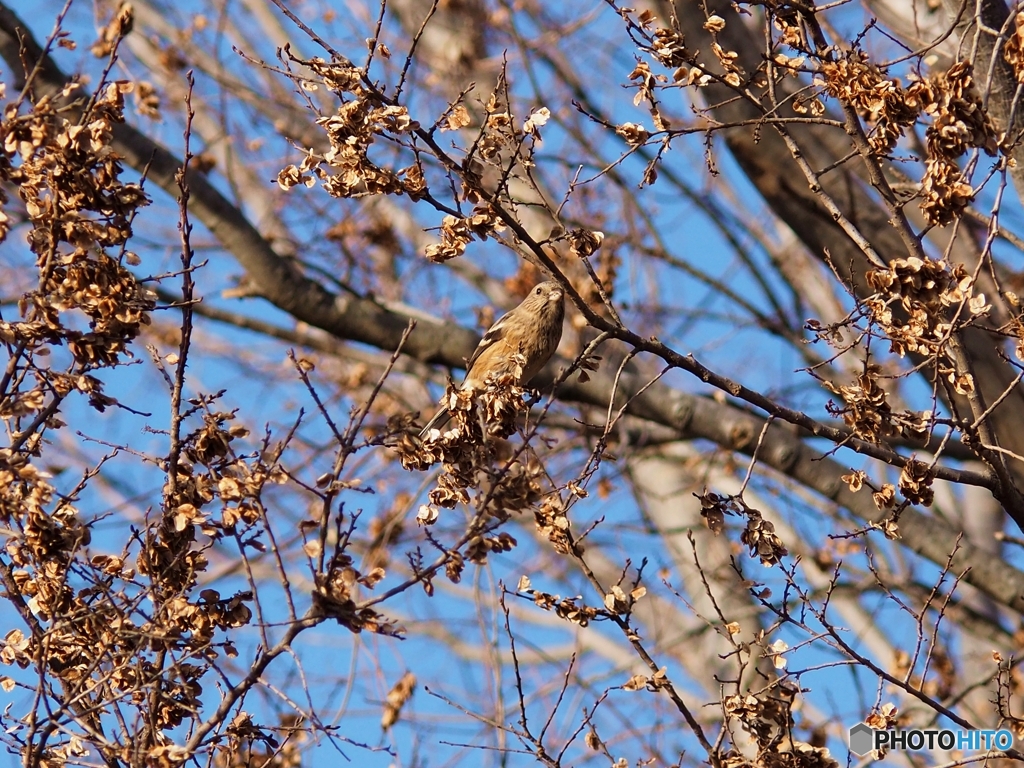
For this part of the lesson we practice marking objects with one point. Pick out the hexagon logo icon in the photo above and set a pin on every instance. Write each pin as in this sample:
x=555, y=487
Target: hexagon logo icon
x=862, y=739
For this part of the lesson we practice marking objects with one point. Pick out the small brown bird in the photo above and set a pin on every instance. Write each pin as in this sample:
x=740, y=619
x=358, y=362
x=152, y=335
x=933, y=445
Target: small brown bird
x=533, y=329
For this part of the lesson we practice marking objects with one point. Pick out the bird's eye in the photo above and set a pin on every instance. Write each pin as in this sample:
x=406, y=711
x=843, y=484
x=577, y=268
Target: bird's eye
x=538, y=291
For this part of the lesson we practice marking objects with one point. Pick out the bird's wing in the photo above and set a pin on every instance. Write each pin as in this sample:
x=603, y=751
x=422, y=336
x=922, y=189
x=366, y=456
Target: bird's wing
x=494, y=334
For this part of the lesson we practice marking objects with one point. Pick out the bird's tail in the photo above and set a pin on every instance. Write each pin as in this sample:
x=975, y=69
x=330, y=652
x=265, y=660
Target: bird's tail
x=438, y=420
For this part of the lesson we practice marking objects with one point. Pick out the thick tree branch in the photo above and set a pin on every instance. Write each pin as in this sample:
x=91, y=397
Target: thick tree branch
x=766, y=160
x=275, y=278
